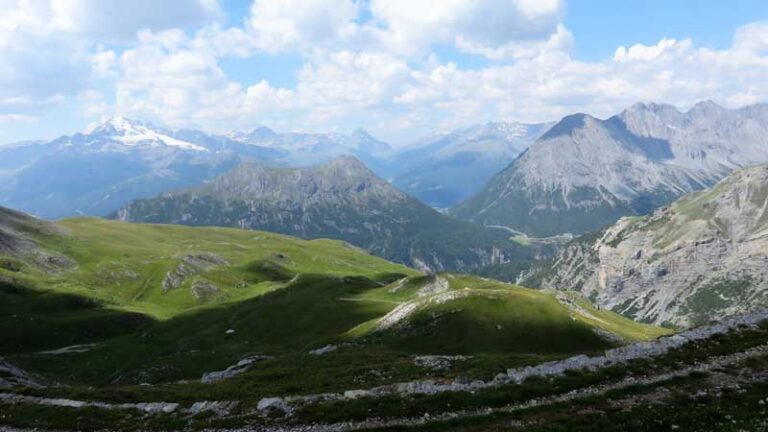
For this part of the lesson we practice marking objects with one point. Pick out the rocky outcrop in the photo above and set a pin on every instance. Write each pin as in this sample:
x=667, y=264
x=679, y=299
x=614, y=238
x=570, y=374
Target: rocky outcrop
x=398, y=317
x=21, y=243
x=702, y=258
x=192, y=264
x=234, y=370
x=436, y=286
x=323, y=350
x=438, y=362
x=204, y=290
x=12, y=376
x=147, y=407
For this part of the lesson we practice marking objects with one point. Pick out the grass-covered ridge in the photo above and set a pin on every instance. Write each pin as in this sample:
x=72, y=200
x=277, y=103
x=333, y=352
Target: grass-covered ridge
x=162, y=305
x=124, y=265
x=435, y=312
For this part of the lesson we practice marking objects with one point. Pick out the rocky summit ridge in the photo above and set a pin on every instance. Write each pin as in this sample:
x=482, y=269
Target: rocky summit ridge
x=585, y=172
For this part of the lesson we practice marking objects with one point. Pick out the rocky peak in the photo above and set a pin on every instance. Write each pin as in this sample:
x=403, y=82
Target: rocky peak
x=349, y=166
x=706, y=108
x=262, y=132
x=569, y=124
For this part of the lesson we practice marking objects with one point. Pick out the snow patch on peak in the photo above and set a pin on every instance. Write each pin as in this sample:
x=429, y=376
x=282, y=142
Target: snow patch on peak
x=137, y=133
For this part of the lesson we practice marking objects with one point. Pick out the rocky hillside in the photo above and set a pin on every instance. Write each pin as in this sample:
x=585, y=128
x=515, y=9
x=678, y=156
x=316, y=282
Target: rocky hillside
x=701, y=258
x=444, y=169
x=342, y=200
x=585, y=173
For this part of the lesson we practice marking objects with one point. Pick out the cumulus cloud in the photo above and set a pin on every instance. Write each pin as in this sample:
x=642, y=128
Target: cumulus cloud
x=37, y=67
x=121, y=20
x=51, y=49
x=178, y=81
x=752, y=37
x=278, y=25
x=640, y=52
x=413, y=25
x=366, y=63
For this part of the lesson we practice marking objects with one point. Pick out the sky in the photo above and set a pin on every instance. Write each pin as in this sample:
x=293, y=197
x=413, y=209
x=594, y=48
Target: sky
x=397, y=68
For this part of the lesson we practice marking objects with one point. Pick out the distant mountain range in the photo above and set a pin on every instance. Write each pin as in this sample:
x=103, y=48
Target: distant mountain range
x=96, y=172
x=444, y=169
x=585, y=173
x=579, y=174
x=343, y=200
x=303, y=149
x=702, y=258
x=126, y=159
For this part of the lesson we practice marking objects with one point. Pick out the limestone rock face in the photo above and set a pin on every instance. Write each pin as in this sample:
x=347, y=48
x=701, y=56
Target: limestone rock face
x=585, y=173
x=702, y=258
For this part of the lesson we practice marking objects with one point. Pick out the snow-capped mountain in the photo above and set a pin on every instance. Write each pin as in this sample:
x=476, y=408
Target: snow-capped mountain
x=135, y=133
x=584, y=172
x=104, y=168
x=443, y=169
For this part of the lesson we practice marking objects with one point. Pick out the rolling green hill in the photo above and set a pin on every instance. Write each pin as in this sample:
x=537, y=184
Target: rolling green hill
x=162, y=305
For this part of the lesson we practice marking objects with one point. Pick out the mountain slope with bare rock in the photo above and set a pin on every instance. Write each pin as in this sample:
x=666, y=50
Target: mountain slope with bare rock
x=342, y=199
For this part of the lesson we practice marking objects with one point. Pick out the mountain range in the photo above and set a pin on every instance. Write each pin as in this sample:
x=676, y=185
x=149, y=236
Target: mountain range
x=95, y=172
x=702, y=258
x=342, y=199
x=104, y=168
x=585, y=173
x=444, y=169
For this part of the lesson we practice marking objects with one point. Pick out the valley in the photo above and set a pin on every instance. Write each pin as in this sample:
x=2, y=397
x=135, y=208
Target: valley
x=341, y=199
x=142, y=313
x=287, y=287
x=383, y=215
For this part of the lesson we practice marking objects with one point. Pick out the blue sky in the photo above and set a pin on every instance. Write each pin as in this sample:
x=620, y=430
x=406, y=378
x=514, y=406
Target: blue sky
x=600, y=25
x=399, y=68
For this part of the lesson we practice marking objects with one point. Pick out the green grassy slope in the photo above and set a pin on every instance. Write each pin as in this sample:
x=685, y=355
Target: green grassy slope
x=475, y=314
x=123, y=265
x=274, y=295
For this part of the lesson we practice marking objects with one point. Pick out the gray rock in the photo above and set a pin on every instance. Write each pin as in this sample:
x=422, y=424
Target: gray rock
x=234, y=370
x=711, y=245
x=324, y=350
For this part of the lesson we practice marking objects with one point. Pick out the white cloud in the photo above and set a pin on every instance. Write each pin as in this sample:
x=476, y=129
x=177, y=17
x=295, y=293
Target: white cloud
x=51, y=49
x=178, y=82
x=559, y=41
x=121, y=20
x=640, y=52
x=415, y=25
x=378, y=72
x=752, y=37
x=279, y=25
